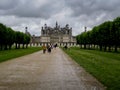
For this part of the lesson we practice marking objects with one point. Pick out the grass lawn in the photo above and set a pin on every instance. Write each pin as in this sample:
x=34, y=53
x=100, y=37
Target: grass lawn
x=9, y=54
x=105, y=66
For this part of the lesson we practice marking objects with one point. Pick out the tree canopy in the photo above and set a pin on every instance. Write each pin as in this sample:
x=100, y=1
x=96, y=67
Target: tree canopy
x=8, y=37
x=105, y=36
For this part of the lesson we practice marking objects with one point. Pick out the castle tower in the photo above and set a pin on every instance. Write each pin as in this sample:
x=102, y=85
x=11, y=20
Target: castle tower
x=45, y=26
x=56, y=24
x=26, y=28
x=85, y=29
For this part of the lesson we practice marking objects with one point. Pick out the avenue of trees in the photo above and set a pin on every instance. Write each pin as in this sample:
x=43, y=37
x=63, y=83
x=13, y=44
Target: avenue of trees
x=8, y=37
x=105, y=36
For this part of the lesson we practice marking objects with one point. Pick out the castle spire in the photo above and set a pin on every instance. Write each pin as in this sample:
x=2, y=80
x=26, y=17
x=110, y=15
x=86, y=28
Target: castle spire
x=85, y=29
x=56, y=24
x=26, y=28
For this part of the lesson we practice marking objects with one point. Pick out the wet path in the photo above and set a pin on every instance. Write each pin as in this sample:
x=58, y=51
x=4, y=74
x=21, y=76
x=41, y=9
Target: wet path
x=37, y=71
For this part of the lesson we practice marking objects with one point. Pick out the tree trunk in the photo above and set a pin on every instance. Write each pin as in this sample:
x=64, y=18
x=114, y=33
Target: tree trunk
x=81, y=45
x=100, y=47
x=105, y=48
x=84, y=46
x=10, y=47
x=23, y=46
x=26, y=45
x=16, y=46
x=116, y=48
x=94, y=46
x=109, y=48
x=5, y=48
x=88, y=46
x=0, y=47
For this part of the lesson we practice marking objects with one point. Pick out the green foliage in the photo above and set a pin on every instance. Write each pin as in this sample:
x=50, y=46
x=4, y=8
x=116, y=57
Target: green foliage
x=105, y=35
x=104, y=66
x=14, y=53
x=8, y=37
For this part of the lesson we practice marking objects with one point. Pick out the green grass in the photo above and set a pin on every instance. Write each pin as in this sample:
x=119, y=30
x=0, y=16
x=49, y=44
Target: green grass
x=105, y=66
x=14, y=53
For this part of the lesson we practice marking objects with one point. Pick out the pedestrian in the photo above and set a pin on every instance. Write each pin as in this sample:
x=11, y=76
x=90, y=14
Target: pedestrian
x=49, y=49
x=55, y=45
x=65, y=47
x=44, y=48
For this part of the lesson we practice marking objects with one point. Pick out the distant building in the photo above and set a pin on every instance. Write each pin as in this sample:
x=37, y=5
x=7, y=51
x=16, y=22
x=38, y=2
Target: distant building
x=56, y=35
x=61, y=36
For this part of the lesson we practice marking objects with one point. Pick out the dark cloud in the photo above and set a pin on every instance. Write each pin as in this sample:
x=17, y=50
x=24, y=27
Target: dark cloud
x=8, y=4
x=31, y=8
x=77, y=13
x=89, y=7
x=94, y=12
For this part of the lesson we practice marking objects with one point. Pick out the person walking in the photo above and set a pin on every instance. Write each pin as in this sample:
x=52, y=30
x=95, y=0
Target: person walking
x=44, y=49
x=49, y=49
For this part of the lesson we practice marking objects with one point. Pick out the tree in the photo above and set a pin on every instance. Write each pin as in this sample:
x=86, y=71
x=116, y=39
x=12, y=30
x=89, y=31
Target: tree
x=2, y=34
x=116, y=25
x=11, y=37
x=105, y=35
x=8, y=37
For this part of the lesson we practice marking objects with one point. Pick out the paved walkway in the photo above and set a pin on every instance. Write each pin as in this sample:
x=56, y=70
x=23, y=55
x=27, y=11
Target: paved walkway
x=38, y=71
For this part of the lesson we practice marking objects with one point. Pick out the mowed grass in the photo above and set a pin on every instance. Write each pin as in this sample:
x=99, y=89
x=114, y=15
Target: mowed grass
x=105, y=66
x=14, y=53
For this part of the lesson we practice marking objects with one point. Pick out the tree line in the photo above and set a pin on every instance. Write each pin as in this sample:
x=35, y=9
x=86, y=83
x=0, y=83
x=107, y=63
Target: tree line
x=8, y=37
x=105, y=36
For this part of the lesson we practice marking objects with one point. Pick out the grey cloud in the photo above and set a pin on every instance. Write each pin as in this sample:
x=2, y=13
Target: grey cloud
x=77, y=13
x=34, y=9
x=89, y=11
x=89, y=7
x=8, y=4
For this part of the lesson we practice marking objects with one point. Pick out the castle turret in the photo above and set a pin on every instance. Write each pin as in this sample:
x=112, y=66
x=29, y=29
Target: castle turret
x=85, y=29
x=26, y=29
x=56, y=24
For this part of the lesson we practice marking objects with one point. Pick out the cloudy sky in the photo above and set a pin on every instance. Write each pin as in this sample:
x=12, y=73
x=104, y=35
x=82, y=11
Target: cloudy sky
x=77, y=13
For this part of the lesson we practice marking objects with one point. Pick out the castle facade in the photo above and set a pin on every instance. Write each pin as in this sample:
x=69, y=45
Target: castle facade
x=54, y=35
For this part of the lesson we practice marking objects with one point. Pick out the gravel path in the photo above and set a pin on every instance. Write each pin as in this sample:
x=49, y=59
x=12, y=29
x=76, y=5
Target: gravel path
x=38, y=71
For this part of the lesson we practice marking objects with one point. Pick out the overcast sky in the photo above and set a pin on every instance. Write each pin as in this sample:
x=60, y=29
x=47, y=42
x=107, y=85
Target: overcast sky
x=77, y=13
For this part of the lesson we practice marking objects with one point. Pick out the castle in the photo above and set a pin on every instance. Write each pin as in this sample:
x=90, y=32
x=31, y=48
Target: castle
x=56, y=35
